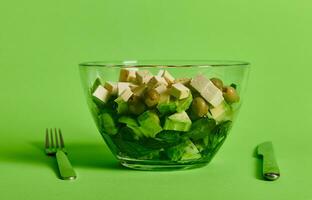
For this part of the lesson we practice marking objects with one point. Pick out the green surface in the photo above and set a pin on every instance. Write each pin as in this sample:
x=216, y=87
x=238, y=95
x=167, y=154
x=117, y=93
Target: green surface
x=41, y=43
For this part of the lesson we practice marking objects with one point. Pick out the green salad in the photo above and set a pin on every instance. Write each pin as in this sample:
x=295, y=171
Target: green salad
x=161, y=117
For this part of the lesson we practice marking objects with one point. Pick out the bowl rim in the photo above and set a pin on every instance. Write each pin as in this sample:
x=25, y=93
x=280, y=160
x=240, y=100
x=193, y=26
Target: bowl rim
x=164, y=63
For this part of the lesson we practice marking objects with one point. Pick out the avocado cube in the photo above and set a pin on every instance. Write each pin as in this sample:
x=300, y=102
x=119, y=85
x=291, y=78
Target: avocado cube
x=221, y=112
x=108, y=124
x=149, y=124
x=178, y=122
x=190, y=151
x=184, y=104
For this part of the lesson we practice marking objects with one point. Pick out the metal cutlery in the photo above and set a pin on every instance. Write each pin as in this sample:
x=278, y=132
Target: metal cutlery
x=54, y=146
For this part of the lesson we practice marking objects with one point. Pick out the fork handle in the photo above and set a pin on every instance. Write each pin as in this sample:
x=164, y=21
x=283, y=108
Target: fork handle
x=66, y=170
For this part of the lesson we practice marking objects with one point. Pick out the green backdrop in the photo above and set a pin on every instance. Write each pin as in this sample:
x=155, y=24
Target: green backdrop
x=41, y=43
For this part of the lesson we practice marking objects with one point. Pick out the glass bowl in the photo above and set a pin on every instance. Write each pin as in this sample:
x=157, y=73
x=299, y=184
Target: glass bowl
x=164, y=115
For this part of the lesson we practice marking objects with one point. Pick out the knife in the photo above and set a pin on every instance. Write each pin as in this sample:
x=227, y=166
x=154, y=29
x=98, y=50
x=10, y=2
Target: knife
x=270, y=170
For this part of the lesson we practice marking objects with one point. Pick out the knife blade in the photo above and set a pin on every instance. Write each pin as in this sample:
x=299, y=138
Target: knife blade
x=270, y=170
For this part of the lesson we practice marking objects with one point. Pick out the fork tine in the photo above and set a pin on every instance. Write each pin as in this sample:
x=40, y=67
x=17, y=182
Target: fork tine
x=56, y=138
x=47, y=139
x=61, y=139
x=51, y=136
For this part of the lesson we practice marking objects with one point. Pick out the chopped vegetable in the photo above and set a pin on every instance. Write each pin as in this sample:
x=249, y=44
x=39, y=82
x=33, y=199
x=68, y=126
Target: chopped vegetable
x=127, y=74
x=122, y=86
x=178, y=122
x=221, y=112
x=149, y=124
x=179, y=91
x=199, y=107
x=207, y=90
x=101, y=94
x=156, y=81
x=184, y=104
x=217, y=82
x=111, y=87
x=96, y=83
x=126, y=94
x=167, y=76
x=230, y=94
x=122, y=106
x=190, y=151
x=143, y=77
x=150, y=117
x=152, y=98
x=201, y=128
x=108, y=124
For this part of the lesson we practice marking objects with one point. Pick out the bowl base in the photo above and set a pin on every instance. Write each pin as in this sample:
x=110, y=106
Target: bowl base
x=160, y=165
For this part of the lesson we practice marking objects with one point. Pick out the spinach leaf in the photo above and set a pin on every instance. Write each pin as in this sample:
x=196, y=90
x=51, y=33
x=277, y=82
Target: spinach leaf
x=162, y=140
x=201, y=128
x=132, y=148
x=218, y=136
x=175, y=153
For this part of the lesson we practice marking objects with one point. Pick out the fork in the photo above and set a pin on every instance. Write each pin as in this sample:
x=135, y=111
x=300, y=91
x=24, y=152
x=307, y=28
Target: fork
x=54, y=146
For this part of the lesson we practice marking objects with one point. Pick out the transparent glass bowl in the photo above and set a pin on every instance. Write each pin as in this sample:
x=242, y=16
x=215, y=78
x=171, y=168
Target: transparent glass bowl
x=171, y=149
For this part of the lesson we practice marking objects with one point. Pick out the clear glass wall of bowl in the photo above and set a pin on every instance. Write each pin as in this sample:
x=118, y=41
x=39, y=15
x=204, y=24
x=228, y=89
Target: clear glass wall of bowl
x=151, y=153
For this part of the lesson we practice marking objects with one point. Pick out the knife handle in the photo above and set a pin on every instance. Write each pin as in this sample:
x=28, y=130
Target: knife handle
x=270, y=168
x=66, y=170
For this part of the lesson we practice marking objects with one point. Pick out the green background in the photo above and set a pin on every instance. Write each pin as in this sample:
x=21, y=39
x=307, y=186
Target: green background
x=41, y=43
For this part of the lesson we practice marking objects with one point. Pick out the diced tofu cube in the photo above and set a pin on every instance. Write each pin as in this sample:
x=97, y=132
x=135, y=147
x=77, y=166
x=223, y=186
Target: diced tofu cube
x=184, y=81
x=156, y=81
x=127, y=74
x=121, y=86
x=161, y=89
x=207, y=90
x=160, y=73
x=143, y=76
x=139, y=91
x=166, y=75
x=111, y=87
x=199, y=83
x=126, y=94
x=133, y=86
x=101, y=94
x=179, y=91
x=213, y=96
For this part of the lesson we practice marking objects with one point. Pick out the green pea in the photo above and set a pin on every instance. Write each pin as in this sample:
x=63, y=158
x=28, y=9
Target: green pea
x=230, y=94
x=199, y=107
x=217, y=82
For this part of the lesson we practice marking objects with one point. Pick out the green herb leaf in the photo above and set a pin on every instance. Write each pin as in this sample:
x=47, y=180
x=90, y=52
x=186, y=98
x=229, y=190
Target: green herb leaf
x=201, y=128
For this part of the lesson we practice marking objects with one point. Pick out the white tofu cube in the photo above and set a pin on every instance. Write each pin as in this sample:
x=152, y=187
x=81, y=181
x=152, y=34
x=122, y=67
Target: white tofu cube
x=138, y=91
x=143, y=76
x=213, y=96
x=111, y=87
x=179, y=91
x=133, y=86
x=161, y=89
x=121, y=86
x=160, y=73
x=156, y=81
x=101, y=94
x=207, y=90
x=199, y=83
x=166, y=75
x=127, y=74
x=126, y=94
